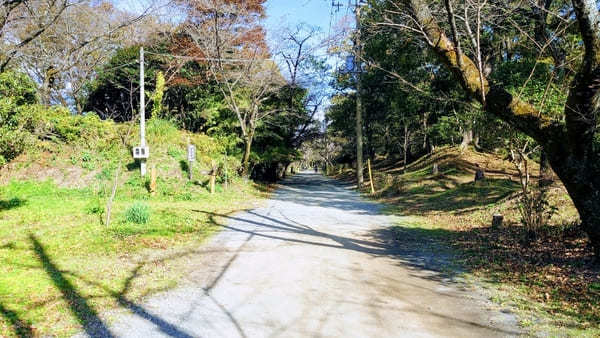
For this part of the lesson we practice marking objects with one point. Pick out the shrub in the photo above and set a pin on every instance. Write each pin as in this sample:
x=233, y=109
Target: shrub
x=175, y=152
x=13, y=143
x=94, y=208
x=138, y=213
x=160, y=131
x=533, y=206
x=18, y=88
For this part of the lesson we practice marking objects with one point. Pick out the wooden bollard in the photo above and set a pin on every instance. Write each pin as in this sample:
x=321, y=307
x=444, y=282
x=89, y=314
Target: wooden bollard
x=213, y=177
x=479, y=174
x=153, y=181
x=370, y=176
x=497, y=220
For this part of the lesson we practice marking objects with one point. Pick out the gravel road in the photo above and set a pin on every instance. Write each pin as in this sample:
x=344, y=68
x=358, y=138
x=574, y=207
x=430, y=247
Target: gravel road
x=316, y=261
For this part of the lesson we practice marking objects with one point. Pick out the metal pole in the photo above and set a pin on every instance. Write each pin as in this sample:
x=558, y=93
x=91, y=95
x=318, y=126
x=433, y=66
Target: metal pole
x=142, y=112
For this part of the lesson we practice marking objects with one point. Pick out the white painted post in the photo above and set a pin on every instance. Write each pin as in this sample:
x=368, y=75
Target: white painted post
x=191, y=158
x=142, y=112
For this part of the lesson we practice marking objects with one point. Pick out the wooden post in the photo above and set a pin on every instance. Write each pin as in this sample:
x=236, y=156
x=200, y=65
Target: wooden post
x=153, y=181
x=370, y=176
x=497, y=221
x=479, y=174
x=225, y=169
x=213, y=177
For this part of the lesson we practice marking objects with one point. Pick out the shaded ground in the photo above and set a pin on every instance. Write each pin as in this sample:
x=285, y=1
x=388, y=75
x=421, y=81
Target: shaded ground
x=320, y=261
x=550, y=277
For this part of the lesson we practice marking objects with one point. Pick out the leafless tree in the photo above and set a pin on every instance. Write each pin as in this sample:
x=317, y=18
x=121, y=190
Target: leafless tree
x=228, y=38
x=66, y=54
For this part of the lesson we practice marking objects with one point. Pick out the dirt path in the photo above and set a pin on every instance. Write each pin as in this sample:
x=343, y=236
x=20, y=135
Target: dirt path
x=316, y=261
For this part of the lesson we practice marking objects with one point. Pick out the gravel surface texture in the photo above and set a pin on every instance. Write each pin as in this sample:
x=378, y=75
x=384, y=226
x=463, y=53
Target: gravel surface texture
x=319, y=261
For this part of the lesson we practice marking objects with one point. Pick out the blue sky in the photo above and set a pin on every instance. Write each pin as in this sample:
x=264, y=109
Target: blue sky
x=292, y=12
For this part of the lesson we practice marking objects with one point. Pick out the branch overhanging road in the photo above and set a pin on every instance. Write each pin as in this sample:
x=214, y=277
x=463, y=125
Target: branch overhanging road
x=318, y=260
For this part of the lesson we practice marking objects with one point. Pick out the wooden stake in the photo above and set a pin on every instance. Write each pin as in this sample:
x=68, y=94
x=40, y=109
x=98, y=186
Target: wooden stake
x=225, y=167
x=111, y=198
x=497, y=221
x=213, y=177
x=370, y=176
x=153, y=181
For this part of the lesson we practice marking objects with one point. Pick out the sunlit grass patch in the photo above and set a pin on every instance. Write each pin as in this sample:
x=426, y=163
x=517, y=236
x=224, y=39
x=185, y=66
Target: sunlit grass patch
x=61, y=267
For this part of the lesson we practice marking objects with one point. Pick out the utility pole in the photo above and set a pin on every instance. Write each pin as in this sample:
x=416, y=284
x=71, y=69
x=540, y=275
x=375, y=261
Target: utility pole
x=358, y=69
x=142, y=112
x=142, y=152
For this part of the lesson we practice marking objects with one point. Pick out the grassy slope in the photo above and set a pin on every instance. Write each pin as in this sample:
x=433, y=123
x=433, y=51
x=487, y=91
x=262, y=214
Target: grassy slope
x=551, y=281
x=60, y=265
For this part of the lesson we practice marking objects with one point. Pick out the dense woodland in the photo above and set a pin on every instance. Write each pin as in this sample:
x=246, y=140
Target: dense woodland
x=411, y=82
x=512, y=77
x=210, y=74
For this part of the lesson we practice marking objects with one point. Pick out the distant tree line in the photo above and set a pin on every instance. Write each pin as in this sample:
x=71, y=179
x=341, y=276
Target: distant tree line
x=211, y=72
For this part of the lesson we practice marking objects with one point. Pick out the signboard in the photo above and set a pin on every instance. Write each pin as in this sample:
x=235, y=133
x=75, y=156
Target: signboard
x=141, y=152
x=191, y=153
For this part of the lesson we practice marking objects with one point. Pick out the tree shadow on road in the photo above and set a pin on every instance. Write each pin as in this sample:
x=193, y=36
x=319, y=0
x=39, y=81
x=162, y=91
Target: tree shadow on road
x=417, y=252
x=315, y=190
x=423, y=258
x=280, y=228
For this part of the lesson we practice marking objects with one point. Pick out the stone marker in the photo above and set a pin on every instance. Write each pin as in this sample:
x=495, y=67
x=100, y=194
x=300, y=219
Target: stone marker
x=497, y=221
x=479, y=174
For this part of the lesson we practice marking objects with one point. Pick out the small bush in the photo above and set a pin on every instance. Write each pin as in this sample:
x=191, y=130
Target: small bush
x=104, y=174
x=86, y=157
x=175, y=152
x=14, y=202
x=184, y=196
x=18, y=88
x=161, y=131
x=94, y=208
x=138, y=213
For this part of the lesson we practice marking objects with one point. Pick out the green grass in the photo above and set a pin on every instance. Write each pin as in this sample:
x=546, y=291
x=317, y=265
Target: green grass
x=60, y=266
x=138, y=213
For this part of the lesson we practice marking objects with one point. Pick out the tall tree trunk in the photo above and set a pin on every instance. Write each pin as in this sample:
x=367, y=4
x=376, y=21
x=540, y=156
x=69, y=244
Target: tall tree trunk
x=467, y=138
x=285, y=170
x=405, y=147
x=476, y=140
x=570, y=145
x=546, y=175
x=581, y=177
x=424, y=126
x=386, y=140
x=45, y=92
x=246, y=157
